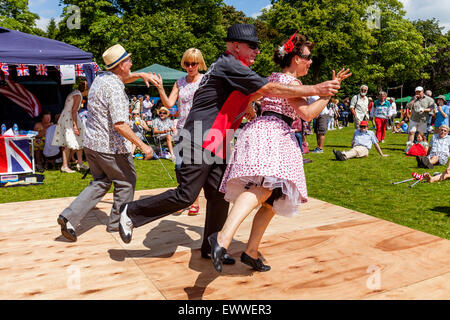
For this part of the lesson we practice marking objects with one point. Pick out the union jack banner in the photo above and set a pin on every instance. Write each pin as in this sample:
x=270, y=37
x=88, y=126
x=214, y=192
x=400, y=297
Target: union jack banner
x=22, y=97
x=4, y=68
x=96, y=68
x=15, y=155
x=79, y=70
x=41, y=70
x=22, y=70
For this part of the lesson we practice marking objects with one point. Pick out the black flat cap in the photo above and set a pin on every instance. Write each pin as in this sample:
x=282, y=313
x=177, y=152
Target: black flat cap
x=242, y=32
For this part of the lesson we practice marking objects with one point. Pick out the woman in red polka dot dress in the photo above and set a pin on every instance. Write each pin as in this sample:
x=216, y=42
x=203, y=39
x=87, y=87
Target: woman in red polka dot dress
x=266, y=166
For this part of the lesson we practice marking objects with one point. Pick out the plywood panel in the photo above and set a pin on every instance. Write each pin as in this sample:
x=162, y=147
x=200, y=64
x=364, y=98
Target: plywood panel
x=326, y=252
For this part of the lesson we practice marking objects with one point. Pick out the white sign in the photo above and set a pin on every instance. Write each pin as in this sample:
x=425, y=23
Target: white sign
x=67, y=74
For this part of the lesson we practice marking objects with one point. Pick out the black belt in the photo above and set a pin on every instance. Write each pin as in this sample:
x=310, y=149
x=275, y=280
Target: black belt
x=286, y=119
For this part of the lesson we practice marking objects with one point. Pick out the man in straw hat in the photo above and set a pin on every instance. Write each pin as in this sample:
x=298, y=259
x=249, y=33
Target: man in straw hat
x=107, y=143
x=218, y=108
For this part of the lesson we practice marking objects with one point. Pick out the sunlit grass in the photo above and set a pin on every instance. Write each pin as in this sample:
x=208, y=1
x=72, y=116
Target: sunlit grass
x=364, y=185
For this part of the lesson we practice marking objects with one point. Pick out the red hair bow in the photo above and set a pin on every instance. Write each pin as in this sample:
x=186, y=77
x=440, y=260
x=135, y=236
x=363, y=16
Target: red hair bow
x=289, y=46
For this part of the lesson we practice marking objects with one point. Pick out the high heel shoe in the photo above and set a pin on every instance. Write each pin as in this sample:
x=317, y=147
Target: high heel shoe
x=217, y=252
x=256, y=264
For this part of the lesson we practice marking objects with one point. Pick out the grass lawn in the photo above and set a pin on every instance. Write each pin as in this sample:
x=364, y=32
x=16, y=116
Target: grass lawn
x=364, y=185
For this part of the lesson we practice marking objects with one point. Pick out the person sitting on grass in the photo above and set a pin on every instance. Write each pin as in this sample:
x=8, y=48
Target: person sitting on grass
x=419, y=147
x=397, y=128
x=362, y=142
x=439, y=150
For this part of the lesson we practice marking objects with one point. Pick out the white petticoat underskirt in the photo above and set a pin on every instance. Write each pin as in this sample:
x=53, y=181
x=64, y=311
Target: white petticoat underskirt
x=286, y=206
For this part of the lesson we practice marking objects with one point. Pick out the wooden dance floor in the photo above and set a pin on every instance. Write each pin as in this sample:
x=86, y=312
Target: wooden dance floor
x=327, y=252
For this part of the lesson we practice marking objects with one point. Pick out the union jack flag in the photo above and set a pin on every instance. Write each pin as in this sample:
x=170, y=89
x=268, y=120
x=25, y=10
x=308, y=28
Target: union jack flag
x=96, y=68
x=79, y=70
x=22, y=70
x=41, y=70
x=15, y=155
x=4, y=68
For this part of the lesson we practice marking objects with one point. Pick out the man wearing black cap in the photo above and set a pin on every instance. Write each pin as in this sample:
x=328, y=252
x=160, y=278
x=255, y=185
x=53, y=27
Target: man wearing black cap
x=218, y=108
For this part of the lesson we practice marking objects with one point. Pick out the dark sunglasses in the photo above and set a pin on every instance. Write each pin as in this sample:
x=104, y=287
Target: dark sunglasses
x=363, y=127
x=306, y=56
x=190, y=64
x=161, y=113
x=251, y=45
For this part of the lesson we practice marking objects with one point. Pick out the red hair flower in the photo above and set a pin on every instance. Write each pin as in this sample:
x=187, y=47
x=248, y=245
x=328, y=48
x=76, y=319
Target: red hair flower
x=289, y=46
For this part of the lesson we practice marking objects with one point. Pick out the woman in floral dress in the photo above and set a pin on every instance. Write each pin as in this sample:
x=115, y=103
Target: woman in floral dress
x=266, y=167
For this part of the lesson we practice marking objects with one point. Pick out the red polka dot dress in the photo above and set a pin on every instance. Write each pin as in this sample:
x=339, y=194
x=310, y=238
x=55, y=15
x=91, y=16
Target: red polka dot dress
x=267, y=154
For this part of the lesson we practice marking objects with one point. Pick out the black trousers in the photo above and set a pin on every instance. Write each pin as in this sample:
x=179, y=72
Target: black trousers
x=191, y=178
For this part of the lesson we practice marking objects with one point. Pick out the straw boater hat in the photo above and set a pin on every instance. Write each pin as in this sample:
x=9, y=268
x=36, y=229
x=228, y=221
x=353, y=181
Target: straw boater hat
x=163, y=109
x=114, y=55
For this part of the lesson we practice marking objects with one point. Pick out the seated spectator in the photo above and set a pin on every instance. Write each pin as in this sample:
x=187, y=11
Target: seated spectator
x=361, y=144
x=419, y=147
x=51, y=152
x=397, y=127
x=39, y=142
x=138, y=126
x=439, y=150
x=404, y=126
x=163, y=127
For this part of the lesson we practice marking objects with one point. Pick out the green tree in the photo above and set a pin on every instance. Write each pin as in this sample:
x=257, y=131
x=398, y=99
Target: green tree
x=439, y=69
x=389, y=51
x=154, y=31
x=52, y=29
x=15, y=15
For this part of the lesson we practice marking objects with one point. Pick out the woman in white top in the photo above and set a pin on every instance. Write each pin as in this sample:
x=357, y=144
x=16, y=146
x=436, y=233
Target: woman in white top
x=69, y=132
x=183, y=90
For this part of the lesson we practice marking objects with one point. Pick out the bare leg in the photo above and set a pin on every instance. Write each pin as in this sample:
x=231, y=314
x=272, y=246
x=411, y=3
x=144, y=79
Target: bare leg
x=441, y=177
x=169, y=144
x=65, y=157
x=244, y=204
x=259, y=226
x=320, y=140
x=80, y=156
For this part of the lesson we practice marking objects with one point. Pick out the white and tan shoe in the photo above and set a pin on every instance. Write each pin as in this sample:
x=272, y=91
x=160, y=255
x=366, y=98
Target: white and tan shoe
x=67, y=170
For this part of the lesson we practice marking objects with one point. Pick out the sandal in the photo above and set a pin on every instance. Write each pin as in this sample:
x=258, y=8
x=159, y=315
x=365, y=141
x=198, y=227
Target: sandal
x=66, y=170
x=193, y=210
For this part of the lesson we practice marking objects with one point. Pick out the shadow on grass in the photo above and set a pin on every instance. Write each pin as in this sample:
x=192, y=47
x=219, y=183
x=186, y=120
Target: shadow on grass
x=339, y=146
x=445, y=210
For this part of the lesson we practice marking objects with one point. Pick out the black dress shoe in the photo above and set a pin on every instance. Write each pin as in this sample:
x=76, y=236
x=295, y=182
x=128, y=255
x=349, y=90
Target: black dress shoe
x=68, y=233
x=217, y=252
x=227, y=259
x=256, y=264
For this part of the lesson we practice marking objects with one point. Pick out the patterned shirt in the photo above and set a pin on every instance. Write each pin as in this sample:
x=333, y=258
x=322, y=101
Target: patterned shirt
x=108, y=104
x=381, y=111
x=161, y=125
x=185, y=98
x=440, y=145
